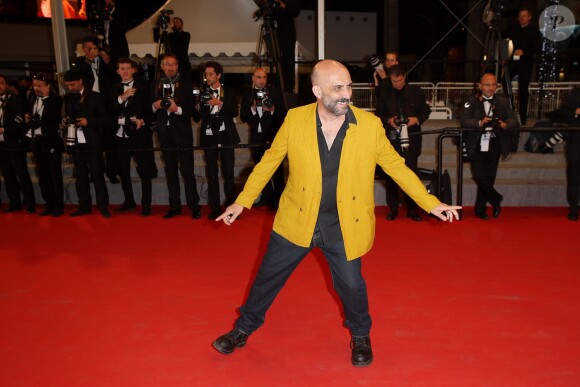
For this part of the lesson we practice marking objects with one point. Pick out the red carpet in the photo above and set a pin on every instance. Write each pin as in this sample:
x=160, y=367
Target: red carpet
x=133, y=301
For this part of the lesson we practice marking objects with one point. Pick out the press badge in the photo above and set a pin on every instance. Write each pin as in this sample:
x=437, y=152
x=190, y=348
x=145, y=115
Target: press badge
x=121, y=120
x=81, y=136
x=484, y=144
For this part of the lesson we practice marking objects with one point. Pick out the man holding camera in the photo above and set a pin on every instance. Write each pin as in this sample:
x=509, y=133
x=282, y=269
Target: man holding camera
x=490, y=115
x=131, y=116
x=263, y=109
x=13, y=146
x=402, y=109
x=173, y=106
x=86, y=120
x=43, y=119
x=381, y=75
x=218, y=108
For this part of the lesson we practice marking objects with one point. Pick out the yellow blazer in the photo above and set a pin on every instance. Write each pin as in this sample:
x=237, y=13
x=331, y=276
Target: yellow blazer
x=364, y=146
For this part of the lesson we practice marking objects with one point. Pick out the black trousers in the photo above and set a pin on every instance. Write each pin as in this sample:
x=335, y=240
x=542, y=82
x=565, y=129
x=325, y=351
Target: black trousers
x=146, y=169
x=484, y=170
x=49, y=170
x=273, y=190
x=573, y=173
x=524, y=72
x=89, y=163
x=17, y=178
x=411, y=161
x=227, y=160
x=180, y=161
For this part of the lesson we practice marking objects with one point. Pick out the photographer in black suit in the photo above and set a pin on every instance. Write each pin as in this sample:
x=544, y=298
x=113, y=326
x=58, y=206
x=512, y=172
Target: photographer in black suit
x=43, y=119
x=490, y=114
x=402, y=109
x=131, y=116
x=86, y=120
x=218, y=108
x=179, y=44
x=263, y=109
x=173, y=106
x=13, y=146
x=115, y=29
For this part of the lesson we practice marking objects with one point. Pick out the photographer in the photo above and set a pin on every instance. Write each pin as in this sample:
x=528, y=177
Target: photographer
x=86, y=120
x=173, y=107
x=13, y=144
x=491, y=115
x=218, y=108
x=43, y=119
x=263, y=109
x=179, y=45
x=402, y=109
x=131, y=118
x=283, y=13
x=381, y=76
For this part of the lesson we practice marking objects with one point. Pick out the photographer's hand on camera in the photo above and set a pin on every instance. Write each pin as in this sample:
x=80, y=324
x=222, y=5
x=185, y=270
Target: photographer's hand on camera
x=82, y=121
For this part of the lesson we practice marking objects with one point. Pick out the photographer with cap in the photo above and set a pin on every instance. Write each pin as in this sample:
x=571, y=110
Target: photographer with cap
x=402, y=108
x=490, y=115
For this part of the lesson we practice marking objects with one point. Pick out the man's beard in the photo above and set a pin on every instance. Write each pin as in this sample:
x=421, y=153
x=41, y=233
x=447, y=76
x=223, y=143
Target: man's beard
x=334, y=107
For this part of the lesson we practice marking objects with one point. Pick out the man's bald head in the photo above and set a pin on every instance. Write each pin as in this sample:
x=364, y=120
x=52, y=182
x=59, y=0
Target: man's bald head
x=332, y=86
x=260, y=78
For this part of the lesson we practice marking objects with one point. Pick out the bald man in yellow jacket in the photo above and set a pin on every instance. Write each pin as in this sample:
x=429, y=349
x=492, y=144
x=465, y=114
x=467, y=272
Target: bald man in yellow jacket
x=328, y=202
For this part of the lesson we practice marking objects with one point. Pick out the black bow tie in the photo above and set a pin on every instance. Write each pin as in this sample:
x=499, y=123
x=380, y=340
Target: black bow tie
x=489, y=99
x=128, y=84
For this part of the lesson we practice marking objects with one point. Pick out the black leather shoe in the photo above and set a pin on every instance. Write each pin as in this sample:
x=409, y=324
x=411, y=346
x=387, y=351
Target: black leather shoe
x=46, y=212
x=414, y=216
x=146, y=211
x=362, y=353
x=213, y=215
x=573, y=215
x=171, y=213
x=31, y=210
x=228, y=343
x=196, y=214
x=80, y=212
x=126, y=207
x=482, y=216
x=12, y=208
x=105, y=212
x=497, y=208
x=392, y=215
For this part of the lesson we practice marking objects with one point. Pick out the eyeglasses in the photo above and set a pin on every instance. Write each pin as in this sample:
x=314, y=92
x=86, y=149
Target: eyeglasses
x=390, y=60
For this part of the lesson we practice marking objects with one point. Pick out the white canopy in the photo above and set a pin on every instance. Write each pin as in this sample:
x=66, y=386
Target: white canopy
x=216, y=27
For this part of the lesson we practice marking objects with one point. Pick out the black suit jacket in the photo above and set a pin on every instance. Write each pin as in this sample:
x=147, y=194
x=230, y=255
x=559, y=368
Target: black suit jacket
x=227, y=113
x=93, y=110
x=107, y=75
x=270, y=123
x=175, y=130
x=118, y=45
x=50, y=121
x=13, y=123
x=413, y=104
x=474, y=111
x=139, y=105
x=179, y=43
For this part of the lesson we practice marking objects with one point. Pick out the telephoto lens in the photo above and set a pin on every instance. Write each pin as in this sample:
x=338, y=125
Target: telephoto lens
x=375, y=62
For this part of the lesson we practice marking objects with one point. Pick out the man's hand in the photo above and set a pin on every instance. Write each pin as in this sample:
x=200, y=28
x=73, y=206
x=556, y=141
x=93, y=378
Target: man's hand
x=413, y=121
x=445, y=212
x=128, y=93
x=230, y=214
x=82, y=121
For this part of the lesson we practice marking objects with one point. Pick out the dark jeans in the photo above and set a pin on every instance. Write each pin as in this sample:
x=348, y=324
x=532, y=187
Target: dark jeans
x=278, y=264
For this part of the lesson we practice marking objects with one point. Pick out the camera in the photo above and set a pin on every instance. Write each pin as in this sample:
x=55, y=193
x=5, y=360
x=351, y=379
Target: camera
x=34, y=122
x=375, y=62
x=401, y=120
x=163, y=18
x=71, y=131
x=261, y=98
x=205, y=96
x=494, y=125
x=166, y=94
x=265, y=9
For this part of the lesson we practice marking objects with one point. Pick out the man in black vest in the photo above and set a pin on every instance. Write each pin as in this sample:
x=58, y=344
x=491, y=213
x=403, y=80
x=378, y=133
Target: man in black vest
x=131, y=116
x=43, y=119
x=217, y=129
x=173, y=105
x=264, y=110
x=86, y=118
x=13, y=146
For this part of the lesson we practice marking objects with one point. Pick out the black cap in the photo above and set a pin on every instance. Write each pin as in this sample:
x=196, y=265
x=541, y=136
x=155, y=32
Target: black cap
x=72, y=75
